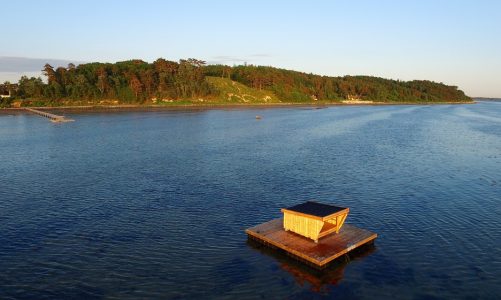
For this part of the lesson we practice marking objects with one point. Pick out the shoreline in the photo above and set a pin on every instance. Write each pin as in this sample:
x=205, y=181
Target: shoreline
x=200, y=106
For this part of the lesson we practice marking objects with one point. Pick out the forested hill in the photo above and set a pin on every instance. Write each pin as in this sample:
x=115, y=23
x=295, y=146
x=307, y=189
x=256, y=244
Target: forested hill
x=191, y=80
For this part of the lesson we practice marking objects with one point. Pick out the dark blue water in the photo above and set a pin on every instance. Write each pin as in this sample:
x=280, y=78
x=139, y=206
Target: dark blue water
x=154, y=204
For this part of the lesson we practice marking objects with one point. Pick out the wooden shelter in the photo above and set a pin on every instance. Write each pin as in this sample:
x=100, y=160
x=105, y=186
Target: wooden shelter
x=314, y=220
x=321, y=224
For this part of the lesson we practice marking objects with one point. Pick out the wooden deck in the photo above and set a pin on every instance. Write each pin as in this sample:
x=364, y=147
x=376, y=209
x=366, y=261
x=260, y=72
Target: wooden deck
x=318, y=254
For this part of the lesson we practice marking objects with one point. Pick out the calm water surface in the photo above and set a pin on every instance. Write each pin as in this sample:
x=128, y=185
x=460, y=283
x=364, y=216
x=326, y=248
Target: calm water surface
x=154, y=204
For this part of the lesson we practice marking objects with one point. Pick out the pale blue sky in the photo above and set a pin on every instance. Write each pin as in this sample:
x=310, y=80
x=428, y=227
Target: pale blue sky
x=455, y=42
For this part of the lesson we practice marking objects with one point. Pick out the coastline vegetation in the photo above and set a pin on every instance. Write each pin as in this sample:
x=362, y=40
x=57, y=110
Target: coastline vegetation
x=191, y=81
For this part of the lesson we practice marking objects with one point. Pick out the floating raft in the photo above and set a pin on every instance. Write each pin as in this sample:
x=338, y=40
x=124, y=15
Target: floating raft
x=318, y=254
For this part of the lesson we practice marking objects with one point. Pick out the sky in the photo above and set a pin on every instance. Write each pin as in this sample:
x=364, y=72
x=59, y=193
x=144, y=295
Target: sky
x=454, y=42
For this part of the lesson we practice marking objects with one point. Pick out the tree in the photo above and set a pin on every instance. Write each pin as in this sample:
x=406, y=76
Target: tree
x=30, y=87
x=135, y=84
x=49, y=72
x=102, y=81
x=61, y=76
x=149, y=79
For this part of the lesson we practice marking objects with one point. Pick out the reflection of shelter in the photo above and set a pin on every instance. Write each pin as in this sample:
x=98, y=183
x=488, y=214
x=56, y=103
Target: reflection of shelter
x=314, y=220
x=318, y=279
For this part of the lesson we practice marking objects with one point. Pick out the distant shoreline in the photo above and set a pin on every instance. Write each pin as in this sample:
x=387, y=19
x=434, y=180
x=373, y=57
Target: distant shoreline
x=486, y=99
x=136, y=107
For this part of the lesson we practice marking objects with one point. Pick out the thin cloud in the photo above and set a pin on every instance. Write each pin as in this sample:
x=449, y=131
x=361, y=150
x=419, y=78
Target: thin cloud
x=228, y=59
x=9, y=64
x=264, y=55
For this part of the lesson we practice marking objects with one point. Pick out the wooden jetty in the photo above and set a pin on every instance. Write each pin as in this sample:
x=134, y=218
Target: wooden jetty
x=299, y=242
x=52, y=117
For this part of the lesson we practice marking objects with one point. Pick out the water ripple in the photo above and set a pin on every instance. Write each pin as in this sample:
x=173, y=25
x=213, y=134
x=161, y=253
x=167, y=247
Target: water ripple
x=154, y=204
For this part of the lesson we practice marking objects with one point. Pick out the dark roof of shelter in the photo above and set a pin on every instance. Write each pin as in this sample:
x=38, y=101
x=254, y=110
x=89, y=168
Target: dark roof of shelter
x=316, y=209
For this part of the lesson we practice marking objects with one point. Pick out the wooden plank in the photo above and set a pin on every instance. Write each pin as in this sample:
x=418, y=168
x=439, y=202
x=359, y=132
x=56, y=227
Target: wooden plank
x=319, y=254
x=304, y=226
x=341, y=212
x=327, y=229
x=311, y=226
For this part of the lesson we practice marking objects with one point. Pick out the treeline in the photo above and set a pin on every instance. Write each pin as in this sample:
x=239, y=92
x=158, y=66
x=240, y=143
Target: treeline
x=129, y=81
x=136, y=81
x=297, y=86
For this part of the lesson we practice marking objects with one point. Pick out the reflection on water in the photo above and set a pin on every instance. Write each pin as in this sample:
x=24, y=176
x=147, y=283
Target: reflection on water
x=153, y=205
x=319, y=280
